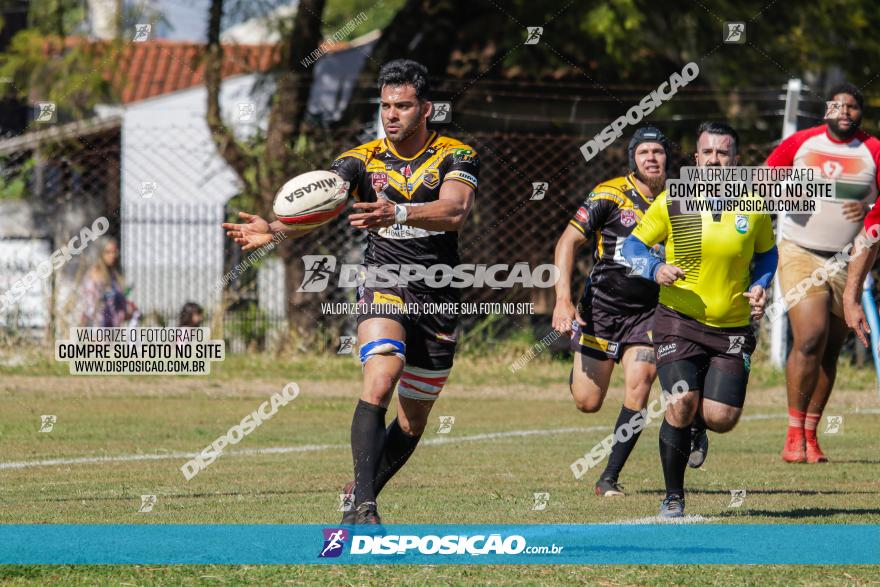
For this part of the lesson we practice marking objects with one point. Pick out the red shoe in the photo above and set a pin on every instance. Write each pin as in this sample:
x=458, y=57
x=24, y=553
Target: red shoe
x=814, y=453
x=795, y=450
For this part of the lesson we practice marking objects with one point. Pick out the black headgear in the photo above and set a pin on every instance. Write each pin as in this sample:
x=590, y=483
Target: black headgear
x=646, y=134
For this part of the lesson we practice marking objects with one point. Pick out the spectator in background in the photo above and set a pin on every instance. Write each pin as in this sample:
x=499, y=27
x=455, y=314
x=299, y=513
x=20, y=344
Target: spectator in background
x=104, y=290
x=191, y=315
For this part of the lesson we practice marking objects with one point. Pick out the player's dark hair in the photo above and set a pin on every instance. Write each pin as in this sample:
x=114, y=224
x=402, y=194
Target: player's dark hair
x=189, y=310
x=719, y=128
x=848, y=88
x=405, y=72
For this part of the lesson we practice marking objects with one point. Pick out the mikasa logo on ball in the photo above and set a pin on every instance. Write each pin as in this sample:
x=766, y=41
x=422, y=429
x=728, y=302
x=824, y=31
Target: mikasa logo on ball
x=310, y=200
x=307, y=189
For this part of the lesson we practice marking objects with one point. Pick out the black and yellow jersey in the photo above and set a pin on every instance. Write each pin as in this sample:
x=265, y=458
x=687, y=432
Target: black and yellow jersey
x=715, y=252
x=610, y=212
x=375, y=168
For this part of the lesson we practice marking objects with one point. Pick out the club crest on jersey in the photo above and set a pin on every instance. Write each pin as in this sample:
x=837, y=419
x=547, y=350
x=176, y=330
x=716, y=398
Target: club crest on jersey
x=628, y=217
x=832, y=169
x=432, y=178
x=379, y=180
x=742, y=223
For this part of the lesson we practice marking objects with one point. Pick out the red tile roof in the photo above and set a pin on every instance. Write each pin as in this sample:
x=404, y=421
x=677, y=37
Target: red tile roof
x=153, y=68
x=156, y=67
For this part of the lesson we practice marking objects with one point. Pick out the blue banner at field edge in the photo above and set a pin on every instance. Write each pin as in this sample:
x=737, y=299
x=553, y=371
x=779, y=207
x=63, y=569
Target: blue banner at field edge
x=270, y=544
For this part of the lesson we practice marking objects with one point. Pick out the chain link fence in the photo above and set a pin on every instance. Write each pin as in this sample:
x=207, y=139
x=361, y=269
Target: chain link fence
x=53, y=184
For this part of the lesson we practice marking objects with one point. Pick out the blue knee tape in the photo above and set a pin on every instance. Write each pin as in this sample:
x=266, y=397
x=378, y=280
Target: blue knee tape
x=383, y=346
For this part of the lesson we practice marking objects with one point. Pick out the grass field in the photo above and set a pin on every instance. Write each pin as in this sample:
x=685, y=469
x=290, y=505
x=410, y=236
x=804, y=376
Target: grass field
x=514, y=435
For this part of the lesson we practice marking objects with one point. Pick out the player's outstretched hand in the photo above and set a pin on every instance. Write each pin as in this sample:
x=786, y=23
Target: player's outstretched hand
x=252, y=235
x=563, y=315
x=854, y=210
x=856, y=320
x=668, y=274
x=373, y=215
x=757, y=300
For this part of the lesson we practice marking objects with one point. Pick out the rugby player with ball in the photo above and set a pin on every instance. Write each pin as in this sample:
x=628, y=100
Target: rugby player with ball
x=414, y=190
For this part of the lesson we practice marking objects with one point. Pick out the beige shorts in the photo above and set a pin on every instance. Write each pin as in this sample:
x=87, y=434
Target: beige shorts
x=798, y=271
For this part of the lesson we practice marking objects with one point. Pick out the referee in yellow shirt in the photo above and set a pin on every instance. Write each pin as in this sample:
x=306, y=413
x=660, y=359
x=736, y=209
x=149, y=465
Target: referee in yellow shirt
x=718, y=266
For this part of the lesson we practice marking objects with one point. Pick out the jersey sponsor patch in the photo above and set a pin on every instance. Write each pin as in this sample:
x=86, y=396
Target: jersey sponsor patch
x=666, y=349
x=609, y=347
x=462, y=155
x=383, y=298
x=403, y=232
x=582, y=215
x=628, y=217
x=742, y=223
x=463, y=176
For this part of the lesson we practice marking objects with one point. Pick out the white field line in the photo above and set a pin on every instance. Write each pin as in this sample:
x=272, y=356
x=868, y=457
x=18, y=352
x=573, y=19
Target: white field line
x=687, y=519
x=696, y=518
x=320, y=447
x=283, y=449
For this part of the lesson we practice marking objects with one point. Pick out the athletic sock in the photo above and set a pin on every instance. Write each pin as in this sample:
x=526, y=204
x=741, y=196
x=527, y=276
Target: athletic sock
x=810, y=423
x=675, y=447
x=698, y=425
x=796, y=420
x=620, y=451
x=367, y=438
x=398, y=447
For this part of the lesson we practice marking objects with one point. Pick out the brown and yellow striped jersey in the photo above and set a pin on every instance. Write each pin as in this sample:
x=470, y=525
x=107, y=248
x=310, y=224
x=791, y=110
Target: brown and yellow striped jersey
x=375, y=170
x=610, y=213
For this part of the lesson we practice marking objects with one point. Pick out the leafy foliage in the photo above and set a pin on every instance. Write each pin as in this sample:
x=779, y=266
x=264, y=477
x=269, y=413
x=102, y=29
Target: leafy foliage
x=378, y=14
x=625, y=40
x=44, y=64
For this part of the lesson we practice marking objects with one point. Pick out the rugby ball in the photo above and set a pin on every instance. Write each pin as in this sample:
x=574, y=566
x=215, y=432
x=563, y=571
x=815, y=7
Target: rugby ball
x=311, y=199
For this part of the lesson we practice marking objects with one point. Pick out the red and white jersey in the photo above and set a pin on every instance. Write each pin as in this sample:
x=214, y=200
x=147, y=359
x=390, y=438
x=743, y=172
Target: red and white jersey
x=854, y=167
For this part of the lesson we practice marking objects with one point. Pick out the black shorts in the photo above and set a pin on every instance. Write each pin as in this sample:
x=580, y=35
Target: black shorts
x=713, y=360
x=430, y=336
x=608, y=332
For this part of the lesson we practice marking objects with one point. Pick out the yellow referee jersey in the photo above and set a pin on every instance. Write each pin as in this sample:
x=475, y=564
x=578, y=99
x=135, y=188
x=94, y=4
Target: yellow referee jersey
x=714, y=251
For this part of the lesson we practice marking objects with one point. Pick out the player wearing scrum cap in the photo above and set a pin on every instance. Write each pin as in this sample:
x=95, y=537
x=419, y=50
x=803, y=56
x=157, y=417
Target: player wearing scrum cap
x=414, y=190
x=612, y=321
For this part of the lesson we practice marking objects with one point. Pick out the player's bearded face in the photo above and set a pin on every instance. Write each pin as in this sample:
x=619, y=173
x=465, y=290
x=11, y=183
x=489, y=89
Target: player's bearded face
x=402, y=112
x=651, y=165
x=844, y=116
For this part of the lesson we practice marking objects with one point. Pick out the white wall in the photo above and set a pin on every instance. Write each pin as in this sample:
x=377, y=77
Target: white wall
x=172, y=244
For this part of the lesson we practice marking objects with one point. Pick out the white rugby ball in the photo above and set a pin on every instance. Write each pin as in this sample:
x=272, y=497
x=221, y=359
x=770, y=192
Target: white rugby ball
x=311, y=199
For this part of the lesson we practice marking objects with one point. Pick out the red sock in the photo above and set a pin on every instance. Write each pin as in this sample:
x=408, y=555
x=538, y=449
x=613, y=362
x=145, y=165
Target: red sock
x=810, y=423
x=796, y=420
